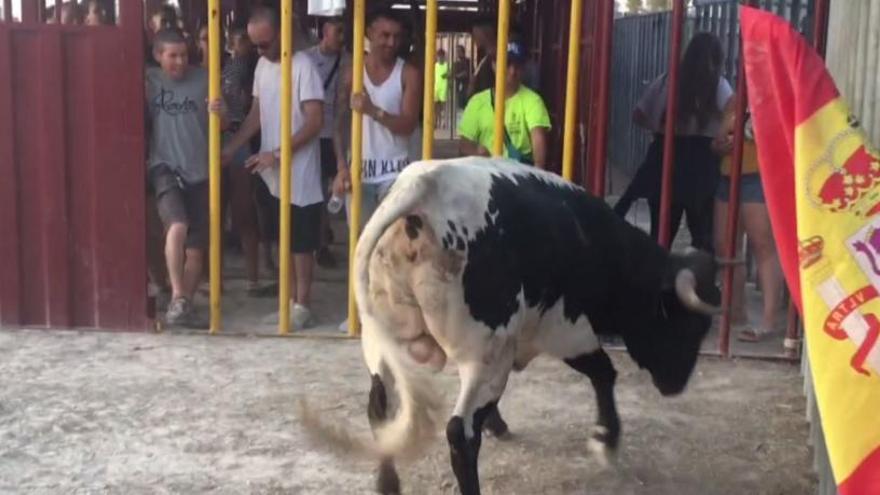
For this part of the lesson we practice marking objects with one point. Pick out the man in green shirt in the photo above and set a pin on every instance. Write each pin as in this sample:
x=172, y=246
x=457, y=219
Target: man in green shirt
x=441, y=88
x=526, y=119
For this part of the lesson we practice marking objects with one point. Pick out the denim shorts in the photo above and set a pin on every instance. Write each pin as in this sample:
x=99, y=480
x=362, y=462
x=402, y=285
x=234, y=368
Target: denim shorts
x=750, y=189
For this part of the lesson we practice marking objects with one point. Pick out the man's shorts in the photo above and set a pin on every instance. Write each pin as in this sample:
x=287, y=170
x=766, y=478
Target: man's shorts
x=328, y=165
x=305, y=228
x=178, y=202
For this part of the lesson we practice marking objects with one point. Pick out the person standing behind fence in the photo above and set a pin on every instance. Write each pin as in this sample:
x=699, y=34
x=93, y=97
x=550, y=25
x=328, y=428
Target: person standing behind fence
x=702, y=95
x=176, y=95
x=755, y=220
x=483, y=32
x=526, y=120
x=461, y=74
x=95, y=13
x=331, y=60
x=237, y=81
x=390, y=107
x=307, y=116
x=441, y=88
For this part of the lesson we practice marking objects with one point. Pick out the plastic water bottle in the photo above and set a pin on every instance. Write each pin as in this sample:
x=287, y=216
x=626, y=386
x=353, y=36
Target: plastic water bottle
x=335, y=204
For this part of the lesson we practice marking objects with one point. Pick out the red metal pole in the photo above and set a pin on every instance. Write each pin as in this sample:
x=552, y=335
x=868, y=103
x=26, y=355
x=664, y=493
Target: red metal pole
x=606, y=34
x=792, y=333
x=671, y=111
x=30, y=11
x=820, y=25
x=733, y=211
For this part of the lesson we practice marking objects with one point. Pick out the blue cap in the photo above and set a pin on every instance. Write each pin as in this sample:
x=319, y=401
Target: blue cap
x=516, y=53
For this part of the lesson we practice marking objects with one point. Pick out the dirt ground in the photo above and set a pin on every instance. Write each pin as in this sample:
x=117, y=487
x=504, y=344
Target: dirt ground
x=164, y=413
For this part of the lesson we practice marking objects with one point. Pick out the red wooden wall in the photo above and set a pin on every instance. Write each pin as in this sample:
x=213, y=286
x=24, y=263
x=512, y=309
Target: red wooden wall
x=72, y=246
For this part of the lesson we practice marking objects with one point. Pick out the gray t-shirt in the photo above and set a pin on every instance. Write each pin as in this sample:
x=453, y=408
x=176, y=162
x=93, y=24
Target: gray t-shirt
x=179, y=122
x=330, y=81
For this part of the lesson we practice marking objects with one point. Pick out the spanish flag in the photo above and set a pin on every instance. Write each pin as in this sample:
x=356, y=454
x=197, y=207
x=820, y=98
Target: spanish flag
x=822, y=183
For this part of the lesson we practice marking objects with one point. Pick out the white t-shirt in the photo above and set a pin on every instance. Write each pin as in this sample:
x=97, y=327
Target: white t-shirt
x=306, y=165
x=653, y=104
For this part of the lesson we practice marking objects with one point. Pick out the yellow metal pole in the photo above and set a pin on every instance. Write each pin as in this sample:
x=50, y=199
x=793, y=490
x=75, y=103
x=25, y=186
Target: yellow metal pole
x=357, y=126
x=214, y=161
x=571, y=87
x=428, y=101
x=501, y=75
x=284, y=232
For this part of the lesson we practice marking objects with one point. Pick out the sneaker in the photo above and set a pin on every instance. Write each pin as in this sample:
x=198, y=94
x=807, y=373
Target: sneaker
x=178, y=312
x=301, y=317
x=343, y=327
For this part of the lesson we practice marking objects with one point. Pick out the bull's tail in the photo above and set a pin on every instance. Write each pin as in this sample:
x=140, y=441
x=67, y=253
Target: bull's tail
x=415, y=423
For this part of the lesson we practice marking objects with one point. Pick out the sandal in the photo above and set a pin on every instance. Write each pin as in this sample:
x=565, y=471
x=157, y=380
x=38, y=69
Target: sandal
x=753, y=334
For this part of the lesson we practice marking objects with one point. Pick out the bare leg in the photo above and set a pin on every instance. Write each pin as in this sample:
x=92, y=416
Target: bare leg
x=192, y=271
x=757, y=224
x=175, y=239
x=304, y=267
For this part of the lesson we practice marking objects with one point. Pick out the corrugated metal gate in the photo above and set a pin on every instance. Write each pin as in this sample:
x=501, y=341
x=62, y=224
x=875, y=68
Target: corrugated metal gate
x=641, y=48
x=72, y=249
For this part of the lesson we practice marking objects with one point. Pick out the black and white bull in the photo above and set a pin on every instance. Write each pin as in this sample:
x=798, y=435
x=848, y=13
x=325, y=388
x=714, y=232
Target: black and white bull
x=488, y=263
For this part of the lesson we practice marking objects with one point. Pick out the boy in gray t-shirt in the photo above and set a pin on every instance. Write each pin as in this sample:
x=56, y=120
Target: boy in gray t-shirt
x=176, y=97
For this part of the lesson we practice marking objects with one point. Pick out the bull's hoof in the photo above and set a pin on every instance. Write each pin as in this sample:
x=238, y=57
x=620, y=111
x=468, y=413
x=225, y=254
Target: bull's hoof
x=496, y=426
x=387, y=481
x=603, y=445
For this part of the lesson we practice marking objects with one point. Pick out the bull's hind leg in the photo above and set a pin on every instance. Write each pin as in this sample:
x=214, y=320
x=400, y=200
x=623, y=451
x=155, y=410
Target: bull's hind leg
x=599, y=369
x=387, y=481
x=481, y=388
x=494, y=423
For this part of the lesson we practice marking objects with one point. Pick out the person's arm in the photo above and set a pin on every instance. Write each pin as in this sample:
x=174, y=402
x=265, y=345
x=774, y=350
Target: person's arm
x=539, y=146
x=218, y=106
x=648, y=101
x=466, y=147
x=405, y=123
x=249, y=128
x=640, y=118
x=313, y=116
x=538, y=122
x=723, y=143
x=469, y=130
x=342, y=119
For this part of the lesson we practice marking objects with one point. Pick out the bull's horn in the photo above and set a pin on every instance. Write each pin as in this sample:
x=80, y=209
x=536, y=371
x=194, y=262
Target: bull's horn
x=686, y=289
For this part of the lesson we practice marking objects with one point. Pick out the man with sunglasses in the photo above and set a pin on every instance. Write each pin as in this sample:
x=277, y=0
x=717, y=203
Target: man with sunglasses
x=307, y=119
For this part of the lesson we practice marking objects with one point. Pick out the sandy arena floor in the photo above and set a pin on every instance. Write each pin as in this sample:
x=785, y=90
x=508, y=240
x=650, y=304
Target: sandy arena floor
x=160, y=413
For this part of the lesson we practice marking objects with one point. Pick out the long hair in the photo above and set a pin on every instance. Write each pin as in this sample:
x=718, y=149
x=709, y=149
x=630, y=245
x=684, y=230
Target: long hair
x=698, y=84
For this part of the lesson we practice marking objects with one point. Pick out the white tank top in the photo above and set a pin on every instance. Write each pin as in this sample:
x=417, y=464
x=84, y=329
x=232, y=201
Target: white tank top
x=385, y=154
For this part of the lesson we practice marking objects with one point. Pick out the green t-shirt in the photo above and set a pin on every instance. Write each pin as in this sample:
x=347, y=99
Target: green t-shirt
x=523, y=112
x=441, y=81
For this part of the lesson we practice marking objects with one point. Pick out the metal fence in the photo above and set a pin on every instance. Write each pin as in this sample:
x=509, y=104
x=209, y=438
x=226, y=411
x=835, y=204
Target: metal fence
x=641, y=54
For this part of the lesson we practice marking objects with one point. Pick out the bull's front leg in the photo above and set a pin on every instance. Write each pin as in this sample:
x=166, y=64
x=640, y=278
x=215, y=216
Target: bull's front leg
x=599, y=369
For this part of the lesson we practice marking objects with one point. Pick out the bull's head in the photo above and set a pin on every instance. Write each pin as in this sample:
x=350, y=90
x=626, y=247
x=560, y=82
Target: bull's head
x=687, y=302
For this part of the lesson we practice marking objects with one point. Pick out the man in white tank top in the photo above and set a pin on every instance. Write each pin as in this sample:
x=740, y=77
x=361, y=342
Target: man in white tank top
x=390, y=105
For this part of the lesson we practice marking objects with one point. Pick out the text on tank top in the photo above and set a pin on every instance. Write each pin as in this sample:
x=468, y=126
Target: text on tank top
x=384, y=153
